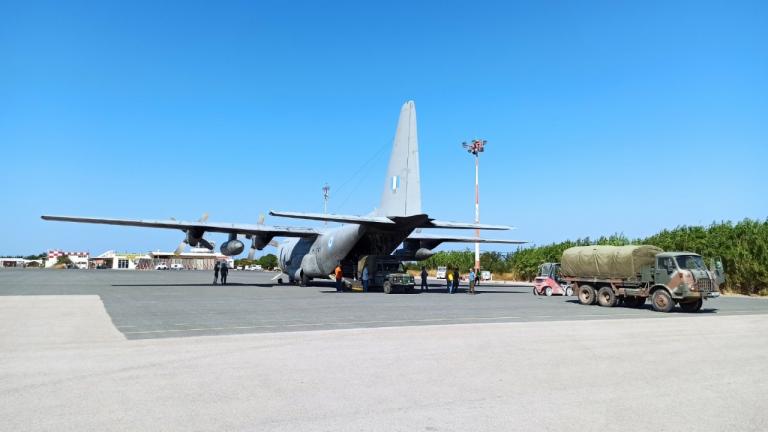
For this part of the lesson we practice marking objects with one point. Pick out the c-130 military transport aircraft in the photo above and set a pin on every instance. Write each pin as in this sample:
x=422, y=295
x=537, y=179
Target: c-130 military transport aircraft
x=313, y=253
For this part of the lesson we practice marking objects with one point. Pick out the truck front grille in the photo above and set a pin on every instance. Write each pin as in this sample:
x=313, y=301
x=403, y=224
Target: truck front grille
x=704, y=285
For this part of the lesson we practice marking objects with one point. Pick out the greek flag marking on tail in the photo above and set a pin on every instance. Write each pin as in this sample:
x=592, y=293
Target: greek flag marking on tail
x=395, y=183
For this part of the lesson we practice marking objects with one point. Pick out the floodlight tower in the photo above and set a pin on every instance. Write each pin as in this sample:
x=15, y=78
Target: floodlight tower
x=326, y=194
x=476, y=147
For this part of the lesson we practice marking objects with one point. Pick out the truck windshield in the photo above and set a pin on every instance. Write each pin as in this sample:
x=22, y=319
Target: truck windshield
x=690, y=262
x=391, y=267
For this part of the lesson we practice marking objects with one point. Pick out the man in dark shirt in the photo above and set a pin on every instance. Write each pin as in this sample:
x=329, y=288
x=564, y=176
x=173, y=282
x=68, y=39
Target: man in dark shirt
x=224, y=270
x=215, y=272
x=456, y=280
x=424, y=285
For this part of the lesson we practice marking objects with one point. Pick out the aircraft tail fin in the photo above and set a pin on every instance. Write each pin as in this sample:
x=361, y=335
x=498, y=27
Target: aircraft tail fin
x=402, y=188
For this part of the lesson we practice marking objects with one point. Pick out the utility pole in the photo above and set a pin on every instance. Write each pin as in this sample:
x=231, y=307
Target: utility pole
x=326, y=194
x=476, y=147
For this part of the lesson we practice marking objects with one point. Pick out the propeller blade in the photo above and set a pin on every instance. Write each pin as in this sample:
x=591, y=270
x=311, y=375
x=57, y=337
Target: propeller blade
x=274, y=243
x=261, y=219
x=203, y=218
x=251, y=254
x=180, y=248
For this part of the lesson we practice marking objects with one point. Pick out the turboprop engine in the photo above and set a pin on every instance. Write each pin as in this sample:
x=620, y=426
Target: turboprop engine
x=419, y=254
x=233, y=246
x=422, y=254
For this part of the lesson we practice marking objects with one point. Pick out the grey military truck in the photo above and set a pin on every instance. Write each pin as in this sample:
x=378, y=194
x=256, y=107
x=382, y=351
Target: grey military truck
x=386, y=272
x=609, y=275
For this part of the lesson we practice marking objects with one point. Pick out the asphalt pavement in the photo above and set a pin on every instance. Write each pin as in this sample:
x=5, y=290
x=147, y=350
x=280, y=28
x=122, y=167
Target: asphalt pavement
x=110, y=350
x=154, y=304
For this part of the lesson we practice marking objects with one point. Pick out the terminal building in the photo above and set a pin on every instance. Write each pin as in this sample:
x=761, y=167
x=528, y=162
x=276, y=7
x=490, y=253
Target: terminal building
x=195, y=259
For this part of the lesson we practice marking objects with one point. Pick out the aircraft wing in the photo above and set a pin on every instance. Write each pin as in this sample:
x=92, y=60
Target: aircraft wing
x=413, y=221
x=431, y=241
x=231, y=228
x=363, y=220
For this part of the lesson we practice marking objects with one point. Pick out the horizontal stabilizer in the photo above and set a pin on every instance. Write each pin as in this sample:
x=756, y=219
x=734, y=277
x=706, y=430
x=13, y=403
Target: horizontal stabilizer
x=463, y=225
x=363, y=220
x=432, y=241
x=231, y=228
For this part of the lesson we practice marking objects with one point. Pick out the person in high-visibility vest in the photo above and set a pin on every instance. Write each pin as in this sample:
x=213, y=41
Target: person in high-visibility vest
x=338, y=274
x=449, y=278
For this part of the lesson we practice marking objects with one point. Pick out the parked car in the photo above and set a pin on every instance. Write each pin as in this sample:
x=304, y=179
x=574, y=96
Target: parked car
x=485, y=275
x=161, y=266
x=177, y=266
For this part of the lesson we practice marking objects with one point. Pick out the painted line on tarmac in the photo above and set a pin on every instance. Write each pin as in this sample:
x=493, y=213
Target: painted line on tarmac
x=345, y=323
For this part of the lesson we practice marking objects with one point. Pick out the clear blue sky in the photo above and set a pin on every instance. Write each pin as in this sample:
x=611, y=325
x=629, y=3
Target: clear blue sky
x=601, y=117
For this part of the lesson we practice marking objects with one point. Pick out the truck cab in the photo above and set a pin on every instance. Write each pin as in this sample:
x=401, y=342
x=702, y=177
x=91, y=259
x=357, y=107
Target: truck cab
x=686, y=278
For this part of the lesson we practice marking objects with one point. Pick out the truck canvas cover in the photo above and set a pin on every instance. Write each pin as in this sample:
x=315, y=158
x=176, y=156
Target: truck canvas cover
x=604, y=262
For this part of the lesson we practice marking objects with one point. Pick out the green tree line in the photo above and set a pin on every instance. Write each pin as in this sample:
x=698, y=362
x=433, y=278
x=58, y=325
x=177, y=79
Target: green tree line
x=743, y=247
x=267, y=262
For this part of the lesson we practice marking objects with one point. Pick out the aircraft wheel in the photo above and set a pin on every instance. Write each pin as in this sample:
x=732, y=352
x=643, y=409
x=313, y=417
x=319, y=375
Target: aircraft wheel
x=548, y=291
x=662, y=301
x=305, y=280
x=586, y=295
x=387, y=287
x=568, y=291
x=535, y=292
x=606, y=297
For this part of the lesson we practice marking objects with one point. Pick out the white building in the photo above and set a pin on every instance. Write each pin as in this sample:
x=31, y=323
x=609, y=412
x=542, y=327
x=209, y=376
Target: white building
x=80, y=259
x=195, y=259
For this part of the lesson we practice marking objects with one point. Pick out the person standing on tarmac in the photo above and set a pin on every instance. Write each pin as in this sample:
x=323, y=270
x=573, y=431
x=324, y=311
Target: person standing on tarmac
x=365, y=278
x=456, y=280
x=424, y=274
x=215, y=272
x=339, y=275
x=224, y=270
x=471, y=281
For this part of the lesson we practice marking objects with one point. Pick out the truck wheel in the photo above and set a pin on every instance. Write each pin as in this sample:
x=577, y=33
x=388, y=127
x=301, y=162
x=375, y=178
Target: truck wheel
x=548, y=291
x=568, y=291
x=693, y=306
x=662, y=301
x=586, y=295
x=634, y=301
x=606, y=297
x=387, y=287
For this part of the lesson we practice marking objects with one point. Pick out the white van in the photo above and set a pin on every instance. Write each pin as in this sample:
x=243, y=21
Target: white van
x=441, y=272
